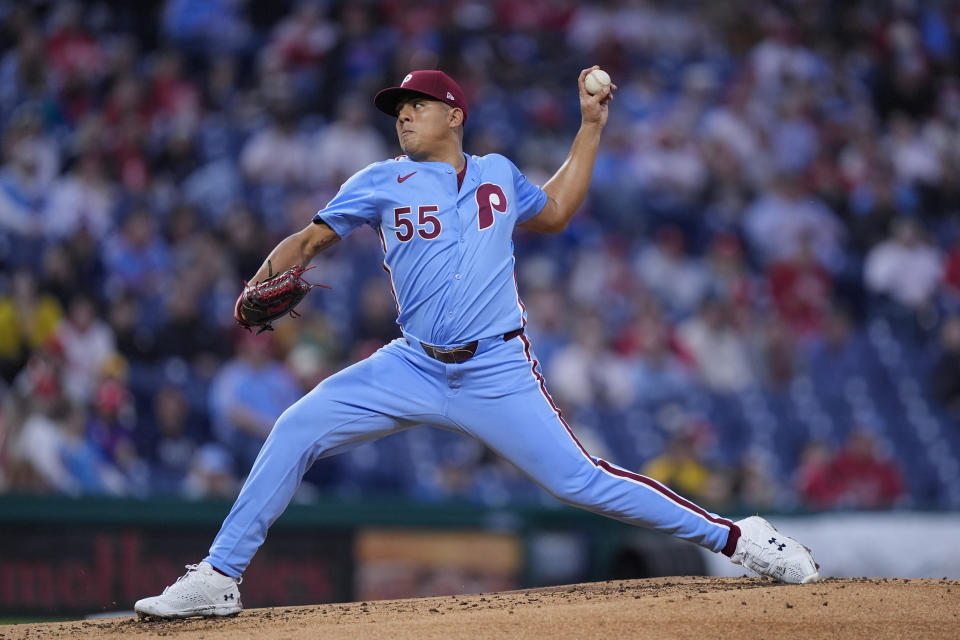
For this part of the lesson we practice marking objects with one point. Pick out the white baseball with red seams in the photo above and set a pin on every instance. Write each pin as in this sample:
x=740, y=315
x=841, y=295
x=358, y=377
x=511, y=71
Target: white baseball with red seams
x=595, y=81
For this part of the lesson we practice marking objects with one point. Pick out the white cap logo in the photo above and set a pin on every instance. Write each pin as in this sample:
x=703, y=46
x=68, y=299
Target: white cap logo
x=407, y=79
x=450, y=96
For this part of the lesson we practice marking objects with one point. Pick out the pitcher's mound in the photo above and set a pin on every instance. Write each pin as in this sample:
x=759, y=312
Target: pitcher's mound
x=696, y=608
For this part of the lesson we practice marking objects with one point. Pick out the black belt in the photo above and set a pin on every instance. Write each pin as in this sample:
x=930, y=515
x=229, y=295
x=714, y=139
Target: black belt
x=456, y=355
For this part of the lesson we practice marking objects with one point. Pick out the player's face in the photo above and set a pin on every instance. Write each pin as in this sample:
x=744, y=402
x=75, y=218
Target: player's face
x=423, y=125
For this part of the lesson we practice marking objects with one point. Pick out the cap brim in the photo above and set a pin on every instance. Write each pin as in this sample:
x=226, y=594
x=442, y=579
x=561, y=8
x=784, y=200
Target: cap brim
x=387, y=99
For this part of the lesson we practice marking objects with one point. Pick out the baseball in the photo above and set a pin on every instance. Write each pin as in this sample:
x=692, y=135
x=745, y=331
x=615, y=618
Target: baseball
x=596, y=80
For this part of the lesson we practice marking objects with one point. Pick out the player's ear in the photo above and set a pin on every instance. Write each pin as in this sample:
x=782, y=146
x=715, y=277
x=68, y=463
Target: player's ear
x=456, y=117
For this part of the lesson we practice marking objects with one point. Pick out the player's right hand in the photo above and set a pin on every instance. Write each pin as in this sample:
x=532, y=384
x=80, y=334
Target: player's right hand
x=594, y=109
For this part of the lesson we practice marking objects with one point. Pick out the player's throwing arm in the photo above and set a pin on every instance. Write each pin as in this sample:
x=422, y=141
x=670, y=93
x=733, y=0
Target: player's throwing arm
x=568, y=186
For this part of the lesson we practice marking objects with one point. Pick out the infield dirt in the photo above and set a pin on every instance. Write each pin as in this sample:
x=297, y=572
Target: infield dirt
x=695, y=608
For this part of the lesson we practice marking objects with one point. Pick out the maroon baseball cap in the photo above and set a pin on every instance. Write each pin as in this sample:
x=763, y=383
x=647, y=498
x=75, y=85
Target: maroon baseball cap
x=435, y=84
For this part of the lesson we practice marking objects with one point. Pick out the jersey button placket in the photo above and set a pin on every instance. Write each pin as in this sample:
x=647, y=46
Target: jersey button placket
x=454, y=374
x=450, y=226
x=456, y=276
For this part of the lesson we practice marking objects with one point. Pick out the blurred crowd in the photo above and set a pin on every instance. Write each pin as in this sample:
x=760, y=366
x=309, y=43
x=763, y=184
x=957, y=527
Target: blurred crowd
x=774, y=177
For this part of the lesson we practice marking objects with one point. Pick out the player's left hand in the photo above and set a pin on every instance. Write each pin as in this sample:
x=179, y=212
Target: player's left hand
x=594, y=108
x=263, y=302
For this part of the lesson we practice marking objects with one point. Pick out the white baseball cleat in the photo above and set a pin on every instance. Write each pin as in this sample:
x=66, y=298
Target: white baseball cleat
x=201, y=591
x=772, y=554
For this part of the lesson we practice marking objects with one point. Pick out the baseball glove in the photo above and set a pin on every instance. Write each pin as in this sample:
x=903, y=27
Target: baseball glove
x=262, y=303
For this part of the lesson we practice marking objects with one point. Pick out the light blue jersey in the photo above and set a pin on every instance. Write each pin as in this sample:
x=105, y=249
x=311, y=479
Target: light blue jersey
x=449, y=253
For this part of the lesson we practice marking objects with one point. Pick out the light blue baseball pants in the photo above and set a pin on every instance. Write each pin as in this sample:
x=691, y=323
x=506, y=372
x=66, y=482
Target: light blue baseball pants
x=498, y=396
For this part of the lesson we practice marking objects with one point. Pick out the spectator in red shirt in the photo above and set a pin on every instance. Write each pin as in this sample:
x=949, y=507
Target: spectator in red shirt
x=814, y=481
x=302, y=39
x=72, y=50
x=951, y=275
x=864, y=478
x=801, y=288
x=171, y=95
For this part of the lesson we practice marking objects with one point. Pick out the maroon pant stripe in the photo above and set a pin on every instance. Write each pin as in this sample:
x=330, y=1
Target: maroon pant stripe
x=653, y=484
x=622, y=473
x=543, y=389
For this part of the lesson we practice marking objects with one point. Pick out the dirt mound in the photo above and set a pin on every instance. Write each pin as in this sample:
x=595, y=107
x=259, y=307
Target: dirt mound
x=656, y=608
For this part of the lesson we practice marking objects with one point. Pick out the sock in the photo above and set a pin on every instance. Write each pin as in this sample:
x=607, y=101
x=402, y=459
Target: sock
x=732, y=539
x=221, y=572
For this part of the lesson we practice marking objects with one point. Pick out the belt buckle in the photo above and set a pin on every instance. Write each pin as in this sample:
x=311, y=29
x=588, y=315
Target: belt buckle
x=455, y=355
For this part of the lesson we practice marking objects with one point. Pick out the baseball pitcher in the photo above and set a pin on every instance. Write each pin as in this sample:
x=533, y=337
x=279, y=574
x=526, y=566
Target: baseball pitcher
x=445, y=222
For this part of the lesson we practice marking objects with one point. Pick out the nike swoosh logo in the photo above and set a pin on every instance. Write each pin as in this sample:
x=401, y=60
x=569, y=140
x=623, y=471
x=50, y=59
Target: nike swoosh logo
x=399, y=179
